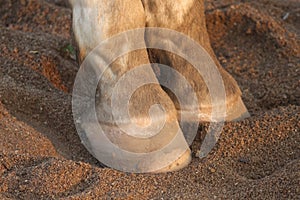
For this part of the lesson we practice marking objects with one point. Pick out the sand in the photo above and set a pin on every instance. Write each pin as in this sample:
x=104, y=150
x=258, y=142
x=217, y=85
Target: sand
x=41, y=156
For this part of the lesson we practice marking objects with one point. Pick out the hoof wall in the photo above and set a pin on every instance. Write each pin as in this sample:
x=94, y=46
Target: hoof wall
x=178, y=164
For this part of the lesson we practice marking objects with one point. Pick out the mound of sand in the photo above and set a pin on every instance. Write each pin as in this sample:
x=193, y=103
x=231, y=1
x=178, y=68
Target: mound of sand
x=41, y=156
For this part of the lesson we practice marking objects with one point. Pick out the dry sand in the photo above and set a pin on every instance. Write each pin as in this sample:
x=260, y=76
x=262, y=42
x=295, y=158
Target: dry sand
x=41, y=156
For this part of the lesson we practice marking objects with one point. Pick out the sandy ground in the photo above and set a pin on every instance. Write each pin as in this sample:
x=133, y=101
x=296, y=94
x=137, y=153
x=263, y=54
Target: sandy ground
x=41, y=156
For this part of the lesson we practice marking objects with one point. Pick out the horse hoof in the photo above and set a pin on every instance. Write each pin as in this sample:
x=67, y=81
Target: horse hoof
x=183, y=161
